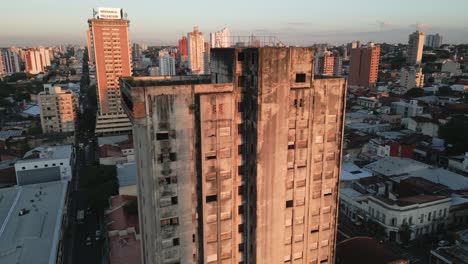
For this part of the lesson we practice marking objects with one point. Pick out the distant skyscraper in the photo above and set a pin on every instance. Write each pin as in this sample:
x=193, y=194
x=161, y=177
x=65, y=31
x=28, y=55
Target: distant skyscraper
x=351, y=46
x=415, y=48
x=220, y=39
x=111, y=48
x=325, y=63
x=136, y=54
x=37, y=59
x=11, y=61
x=167, y=65
x=183, y=51
x=364, y=66
x=196, y=47
x=338, y=66
x=434, y=41
x=242, y=167
x=2, y=67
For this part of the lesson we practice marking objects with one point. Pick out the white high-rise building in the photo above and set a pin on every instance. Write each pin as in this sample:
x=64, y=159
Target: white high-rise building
x=434, y=41
x=411, y=77
x=415, y=48
x=167, y=65
x=196, y=47
x=220, y=39
x=37, y=59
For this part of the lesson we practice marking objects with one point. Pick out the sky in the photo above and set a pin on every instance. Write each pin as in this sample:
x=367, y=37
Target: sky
x=294, y=22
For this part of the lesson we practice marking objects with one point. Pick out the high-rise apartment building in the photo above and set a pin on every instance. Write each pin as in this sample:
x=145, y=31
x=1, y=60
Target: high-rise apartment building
x=37, y=59
x=167, y=65
x=338, y=66
x=183, y=51
x=415, y=48
x=196, y=47
x=220, y=39
x=136, y=54
x=58, y=110
x=325, y=63
x=364, y=66
x=241, y=166
x=411, y=77
x=89, y=46
x=111, y=48
x=434, y=41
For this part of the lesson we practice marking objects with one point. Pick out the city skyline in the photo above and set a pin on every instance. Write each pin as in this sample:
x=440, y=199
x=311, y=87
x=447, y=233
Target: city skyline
x=300, y=23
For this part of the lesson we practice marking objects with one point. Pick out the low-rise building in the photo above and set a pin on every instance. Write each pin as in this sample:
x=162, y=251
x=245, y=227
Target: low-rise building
x=451, y=67
x=367, y=102
x=451, y=254
x=33, y=221
x=405, y=109
x=115, y=150
x=126, y=174
x=424, y=125
x=45, y=164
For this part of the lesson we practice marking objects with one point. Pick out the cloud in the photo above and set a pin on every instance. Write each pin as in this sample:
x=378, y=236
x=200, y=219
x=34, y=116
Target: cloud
x=383, y=24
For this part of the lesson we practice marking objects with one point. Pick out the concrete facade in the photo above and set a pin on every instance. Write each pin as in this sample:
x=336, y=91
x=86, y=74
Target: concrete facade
x=411, y=77
x=242, y=165
x=415, y=48
x=364, y=66
x=58, y=110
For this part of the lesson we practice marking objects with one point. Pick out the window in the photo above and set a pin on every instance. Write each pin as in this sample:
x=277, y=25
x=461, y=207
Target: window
x=240, y=56
x=61, y=163
x=421, y=220
x=174, y=200
x=240, y=228
x=53, y=164
x=176, y=241
x=35, y=166
x=211, y=198
x=289, y=204
x=241, y=247
x=46, y=165
x=429, y=217
x=240, y=209
x=300, y=77
x=162, y=135
x=291, y=146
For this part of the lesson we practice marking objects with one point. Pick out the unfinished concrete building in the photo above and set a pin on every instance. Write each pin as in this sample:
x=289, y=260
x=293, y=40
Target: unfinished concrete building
x=241, y=166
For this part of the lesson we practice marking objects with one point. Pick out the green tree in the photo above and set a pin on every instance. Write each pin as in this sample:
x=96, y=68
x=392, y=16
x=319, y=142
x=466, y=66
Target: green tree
x=404, y=233
x=454, y=134
x=445, y=91
x=415, y=92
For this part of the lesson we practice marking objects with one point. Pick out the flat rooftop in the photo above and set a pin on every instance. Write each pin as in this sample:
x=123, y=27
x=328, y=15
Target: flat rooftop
x=34, y=236
x=126, y=173
x=47, y=153
x=149, y=81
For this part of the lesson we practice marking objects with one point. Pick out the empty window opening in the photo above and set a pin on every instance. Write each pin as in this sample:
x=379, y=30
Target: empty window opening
x=300, y=77
x=211, y=198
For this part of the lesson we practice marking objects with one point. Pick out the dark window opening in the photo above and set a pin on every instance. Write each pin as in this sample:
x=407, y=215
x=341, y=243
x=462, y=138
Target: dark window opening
x=211, y=157
x=240, y=56
x=241, y=247
x=211, y=198
x=240, y=228
x=289, y=204
x=291, y=146
x=174, y=200
x=240, y=209
x=300, y=77
x=172, y=156
x=327, y=194
x=176, y=241
x=240, y=190
x=162, y=135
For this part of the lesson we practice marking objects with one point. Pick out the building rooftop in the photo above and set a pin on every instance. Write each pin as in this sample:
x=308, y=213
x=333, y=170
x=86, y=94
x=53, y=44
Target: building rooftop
x=165, y=80
x=351, y=172
x=365, y=250
x=7, y=134
x=126, y=173
x=47, y=153
x=390, y=166
x=34, y=236
x=32, y=110
x=112, y=140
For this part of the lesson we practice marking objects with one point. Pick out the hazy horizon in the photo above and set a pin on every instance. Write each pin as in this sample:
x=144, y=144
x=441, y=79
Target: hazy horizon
x=298, y=22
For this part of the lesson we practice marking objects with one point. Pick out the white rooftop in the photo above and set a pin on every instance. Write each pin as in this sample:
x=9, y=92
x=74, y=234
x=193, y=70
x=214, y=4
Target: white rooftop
x=47, y=153
x=351, y=172
x=404, y=168
x=390, y=166
x=34, y=236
